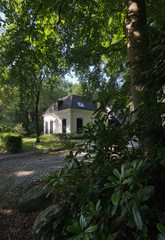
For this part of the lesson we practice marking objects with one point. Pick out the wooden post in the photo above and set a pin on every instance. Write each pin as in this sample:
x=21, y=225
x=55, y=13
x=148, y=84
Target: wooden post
x=34, y=145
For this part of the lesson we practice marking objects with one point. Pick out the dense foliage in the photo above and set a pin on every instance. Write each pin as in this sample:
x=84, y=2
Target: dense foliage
x=112, y=193
x=12, y=142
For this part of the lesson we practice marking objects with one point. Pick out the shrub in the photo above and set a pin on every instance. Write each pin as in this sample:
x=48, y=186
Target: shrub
x=118, y=196
x=12, y=142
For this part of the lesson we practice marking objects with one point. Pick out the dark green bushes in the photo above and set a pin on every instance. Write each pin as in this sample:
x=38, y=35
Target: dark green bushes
x=118, y=196
x=12, y=142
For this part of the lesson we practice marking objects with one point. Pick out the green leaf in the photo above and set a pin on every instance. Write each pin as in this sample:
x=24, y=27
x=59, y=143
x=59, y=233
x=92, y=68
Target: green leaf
x=128, y=181
x=161, y=237
x=82, y=222
x=116, y=197
x=75, y=228
x=92, y=206
x=122, y=170
x=161, y=228
x=98, y=205
x=137, y=217
x=114, y=209
x=72, y=229
x=139, y=164
x=112, y=236
x=112, y=178
x=91, y=229
x=109, y=185
x=116, y=173
x=146, y=191
x=86, y=237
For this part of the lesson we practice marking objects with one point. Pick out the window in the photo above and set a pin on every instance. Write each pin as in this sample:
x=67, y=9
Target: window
x=80, y=104
x=51, y=127
x=79, y=124
x=46, y=128
x=63, y=125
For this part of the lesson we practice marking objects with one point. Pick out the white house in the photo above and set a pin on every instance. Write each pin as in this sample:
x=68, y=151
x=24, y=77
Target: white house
x=68, y=115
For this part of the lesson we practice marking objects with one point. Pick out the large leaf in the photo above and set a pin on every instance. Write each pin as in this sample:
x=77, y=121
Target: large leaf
x=86, y=237
x=161, y=237
x=91, y=229
x=114, y=209
x=146, y=191
x=73, y=228
x=137, y=217
x=98, y=206
x=161, y=228
x=116, y=197
x=82, y=222
x=116, y=173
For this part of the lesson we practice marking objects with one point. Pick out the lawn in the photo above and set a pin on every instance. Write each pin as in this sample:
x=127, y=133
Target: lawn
x=46, y=142
x=29, y=144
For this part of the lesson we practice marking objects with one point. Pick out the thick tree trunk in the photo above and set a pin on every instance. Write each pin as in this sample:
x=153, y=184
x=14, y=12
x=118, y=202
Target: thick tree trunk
x=135, y=23
x=37, y=116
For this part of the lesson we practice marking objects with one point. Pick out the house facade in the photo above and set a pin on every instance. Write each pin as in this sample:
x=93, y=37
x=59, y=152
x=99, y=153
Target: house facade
x=68, y=115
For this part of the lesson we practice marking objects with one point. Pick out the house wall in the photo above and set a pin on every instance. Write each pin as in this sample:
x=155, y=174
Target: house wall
x=57, y=121
x=71, y=116
x=85, y=115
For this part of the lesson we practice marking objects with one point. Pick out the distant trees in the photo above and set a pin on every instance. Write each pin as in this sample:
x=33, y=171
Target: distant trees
x=31, y=65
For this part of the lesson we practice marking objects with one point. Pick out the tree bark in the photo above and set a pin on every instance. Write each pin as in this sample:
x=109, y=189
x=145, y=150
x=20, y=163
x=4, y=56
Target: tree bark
x=135, y=23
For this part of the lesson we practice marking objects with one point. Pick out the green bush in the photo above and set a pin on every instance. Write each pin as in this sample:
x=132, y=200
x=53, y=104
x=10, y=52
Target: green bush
x=12, y=142
x=118, y=196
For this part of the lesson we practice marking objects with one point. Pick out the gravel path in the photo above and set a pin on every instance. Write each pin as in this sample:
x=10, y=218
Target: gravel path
x=22, y=171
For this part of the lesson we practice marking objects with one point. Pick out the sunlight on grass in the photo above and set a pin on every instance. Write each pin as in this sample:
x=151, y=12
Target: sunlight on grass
x=46, y=142
x=27, y=144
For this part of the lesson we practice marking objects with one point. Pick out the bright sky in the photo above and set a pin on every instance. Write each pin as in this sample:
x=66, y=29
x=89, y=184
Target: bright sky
x=2, y=15
x=72, y=79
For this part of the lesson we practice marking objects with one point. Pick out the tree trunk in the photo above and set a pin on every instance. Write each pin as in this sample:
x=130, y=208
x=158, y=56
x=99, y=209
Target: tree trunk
x=37, y=117
x=135, y=23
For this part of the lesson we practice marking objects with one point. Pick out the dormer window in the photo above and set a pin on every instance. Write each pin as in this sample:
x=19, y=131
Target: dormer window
x=80, y=104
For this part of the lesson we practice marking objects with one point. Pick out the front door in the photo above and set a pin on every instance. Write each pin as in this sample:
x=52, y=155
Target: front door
x=79, y=124
x=63, y=125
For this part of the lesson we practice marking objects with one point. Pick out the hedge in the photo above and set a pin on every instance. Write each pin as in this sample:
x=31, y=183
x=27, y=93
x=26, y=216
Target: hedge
x=12, y=142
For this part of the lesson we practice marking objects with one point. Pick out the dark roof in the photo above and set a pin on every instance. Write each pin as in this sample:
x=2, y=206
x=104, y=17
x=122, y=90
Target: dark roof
x=71, y=101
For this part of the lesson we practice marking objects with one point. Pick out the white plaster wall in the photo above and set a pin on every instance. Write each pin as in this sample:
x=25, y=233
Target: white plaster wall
x=71, y=116
x=83, y=114
x=63, y=114
x=48, y=118
x=57, y=121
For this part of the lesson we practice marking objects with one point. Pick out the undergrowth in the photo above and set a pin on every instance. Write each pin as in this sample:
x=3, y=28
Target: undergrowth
x=112, y=193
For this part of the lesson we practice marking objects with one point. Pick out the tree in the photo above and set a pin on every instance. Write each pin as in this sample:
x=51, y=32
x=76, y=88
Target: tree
x=93, y=37
x=76, y=89
x=137, y=42
x=30, y=64
x=99, y=46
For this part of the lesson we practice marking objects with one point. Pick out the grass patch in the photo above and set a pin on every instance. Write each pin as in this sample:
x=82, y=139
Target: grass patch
x=27, y=144
x=46, y=142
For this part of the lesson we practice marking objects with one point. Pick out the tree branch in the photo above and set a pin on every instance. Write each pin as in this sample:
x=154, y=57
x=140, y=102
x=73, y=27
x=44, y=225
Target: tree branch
x=34, y=19
x=59, y=14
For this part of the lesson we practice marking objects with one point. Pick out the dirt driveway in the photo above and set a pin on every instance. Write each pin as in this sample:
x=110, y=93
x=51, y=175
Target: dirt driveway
x=20, y=172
